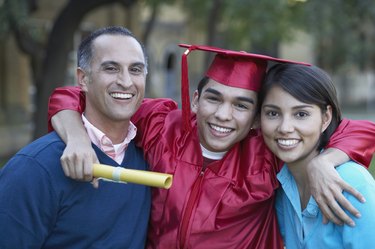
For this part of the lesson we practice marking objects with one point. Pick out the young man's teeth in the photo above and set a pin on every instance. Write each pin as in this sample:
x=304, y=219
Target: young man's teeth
x=220, y=129
x=287, y=142
x=121, y=95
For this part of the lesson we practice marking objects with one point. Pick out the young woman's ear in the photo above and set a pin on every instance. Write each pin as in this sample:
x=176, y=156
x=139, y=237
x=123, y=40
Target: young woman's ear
x=194, y=102
x=82, y=79
x=326, y=118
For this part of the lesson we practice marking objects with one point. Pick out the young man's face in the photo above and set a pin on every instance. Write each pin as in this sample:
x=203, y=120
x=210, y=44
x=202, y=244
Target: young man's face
x=115, y=85
x=224, y=115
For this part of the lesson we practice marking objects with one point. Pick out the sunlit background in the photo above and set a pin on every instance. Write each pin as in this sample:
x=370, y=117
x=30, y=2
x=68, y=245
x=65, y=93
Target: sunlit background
x=38, y=41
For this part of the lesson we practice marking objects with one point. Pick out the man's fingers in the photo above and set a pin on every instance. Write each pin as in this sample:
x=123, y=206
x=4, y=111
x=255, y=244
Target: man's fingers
x=65, y=168
x=95, y=182
x=349, y=189
x=328, y=214
x=87, y=170
x=345, y=204
x=339, y=212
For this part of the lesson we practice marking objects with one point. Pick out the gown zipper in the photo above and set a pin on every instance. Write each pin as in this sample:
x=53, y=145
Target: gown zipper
x=192, y=202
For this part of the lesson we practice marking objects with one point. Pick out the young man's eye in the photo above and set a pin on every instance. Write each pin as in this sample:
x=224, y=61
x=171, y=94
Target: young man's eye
x=212, y=98
x=242, y=106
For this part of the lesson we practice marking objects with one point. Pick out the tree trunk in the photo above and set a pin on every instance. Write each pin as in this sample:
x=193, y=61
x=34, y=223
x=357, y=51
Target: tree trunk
x=60, y=43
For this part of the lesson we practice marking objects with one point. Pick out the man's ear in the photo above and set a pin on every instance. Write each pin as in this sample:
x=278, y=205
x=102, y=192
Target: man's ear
x=326, y=118
x=194, y=102
x=82, y=78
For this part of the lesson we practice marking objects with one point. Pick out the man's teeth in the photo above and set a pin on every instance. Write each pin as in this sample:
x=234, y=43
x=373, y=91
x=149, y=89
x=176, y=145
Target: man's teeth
x=287, y=142
x=220, y=129
x=121, y=95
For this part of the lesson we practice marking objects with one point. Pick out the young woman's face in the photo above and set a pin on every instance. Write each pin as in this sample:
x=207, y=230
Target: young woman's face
x=291, y=128
x=224, y=115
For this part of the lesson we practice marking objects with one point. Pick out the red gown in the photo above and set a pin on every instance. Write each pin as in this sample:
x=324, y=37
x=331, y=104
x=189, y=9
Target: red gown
x=230, y=204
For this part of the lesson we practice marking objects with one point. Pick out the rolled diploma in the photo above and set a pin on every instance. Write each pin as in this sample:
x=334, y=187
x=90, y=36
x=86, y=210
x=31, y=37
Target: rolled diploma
x=148, y=178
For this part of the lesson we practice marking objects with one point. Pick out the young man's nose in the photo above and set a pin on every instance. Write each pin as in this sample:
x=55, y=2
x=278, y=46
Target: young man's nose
x=224, y=111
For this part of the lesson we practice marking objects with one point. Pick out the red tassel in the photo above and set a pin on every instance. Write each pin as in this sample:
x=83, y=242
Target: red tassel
x=185, y=96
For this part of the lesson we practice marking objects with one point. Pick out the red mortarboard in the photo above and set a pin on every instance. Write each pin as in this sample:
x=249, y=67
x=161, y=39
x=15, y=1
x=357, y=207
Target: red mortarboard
x=231, y=68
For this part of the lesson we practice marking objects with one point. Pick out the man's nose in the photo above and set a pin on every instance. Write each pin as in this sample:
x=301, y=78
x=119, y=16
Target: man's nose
x=224, y=112
x=124, y=79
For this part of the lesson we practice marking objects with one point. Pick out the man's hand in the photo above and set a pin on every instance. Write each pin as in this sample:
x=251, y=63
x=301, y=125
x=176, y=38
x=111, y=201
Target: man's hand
x=78, y=156
x=327, y=187
x=77, y=161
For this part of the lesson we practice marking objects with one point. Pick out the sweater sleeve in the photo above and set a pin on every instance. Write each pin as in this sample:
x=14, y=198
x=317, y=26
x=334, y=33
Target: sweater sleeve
x=65, y=98
x=355, y=138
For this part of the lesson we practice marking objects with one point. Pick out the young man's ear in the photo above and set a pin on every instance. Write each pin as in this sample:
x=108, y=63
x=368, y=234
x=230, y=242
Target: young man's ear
x=326, y=118
x=82, y=79
x=194, y=102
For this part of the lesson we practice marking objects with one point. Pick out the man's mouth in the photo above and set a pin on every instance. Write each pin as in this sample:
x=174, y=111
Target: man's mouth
x=123, y=96
x=220, y=128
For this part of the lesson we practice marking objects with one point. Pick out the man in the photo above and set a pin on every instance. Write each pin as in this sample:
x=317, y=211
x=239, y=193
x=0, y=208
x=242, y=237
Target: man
x=39, y=206
x=224, y=175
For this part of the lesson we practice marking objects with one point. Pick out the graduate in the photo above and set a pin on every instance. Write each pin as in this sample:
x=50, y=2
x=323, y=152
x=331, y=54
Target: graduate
x=224, y=185
x=299, y=113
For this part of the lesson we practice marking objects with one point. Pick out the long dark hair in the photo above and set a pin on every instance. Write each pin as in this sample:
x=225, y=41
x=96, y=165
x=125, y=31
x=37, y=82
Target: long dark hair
x=308, y=84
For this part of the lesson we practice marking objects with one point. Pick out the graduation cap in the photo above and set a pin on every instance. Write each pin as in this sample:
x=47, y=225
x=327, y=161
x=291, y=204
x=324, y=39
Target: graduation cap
x=232, y=68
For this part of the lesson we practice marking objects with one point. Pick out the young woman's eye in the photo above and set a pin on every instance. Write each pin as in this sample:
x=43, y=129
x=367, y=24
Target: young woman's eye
x=302, y=114
x=271, y=114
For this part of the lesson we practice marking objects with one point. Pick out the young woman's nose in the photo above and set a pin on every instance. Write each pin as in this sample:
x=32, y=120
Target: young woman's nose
x=286, y=125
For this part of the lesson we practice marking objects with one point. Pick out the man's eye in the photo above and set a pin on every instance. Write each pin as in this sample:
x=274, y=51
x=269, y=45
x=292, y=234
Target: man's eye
x=242, y=106
x=212, y=98
x=136, y=70
x=110, y=69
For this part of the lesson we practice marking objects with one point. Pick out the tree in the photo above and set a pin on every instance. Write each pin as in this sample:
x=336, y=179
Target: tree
x=49, y=59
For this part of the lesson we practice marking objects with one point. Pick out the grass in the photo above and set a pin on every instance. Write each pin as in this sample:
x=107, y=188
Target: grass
x=372, y=166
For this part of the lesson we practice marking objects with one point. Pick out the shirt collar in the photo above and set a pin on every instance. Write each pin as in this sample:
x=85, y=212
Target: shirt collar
x=98, y=138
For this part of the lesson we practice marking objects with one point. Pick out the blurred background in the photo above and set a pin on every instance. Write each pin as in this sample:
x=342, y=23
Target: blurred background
x=38, y=41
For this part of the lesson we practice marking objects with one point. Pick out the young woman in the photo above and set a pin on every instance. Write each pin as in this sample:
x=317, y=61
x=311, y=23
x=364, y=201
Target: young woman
x=299, y=112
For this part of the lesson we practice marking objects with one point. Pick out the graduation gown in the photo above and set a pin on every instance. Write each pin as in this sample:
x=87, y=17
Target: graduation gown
x=230, y=203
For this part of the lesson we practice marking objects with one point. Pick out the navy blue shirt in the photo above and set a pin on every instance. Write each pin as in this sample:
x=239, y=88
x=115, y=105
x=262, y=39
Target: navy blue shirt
x=41, y=208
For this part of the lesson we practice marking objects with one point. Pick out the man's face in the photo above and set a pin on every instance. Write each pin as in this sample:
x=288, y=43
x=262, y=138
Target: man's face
x=115, y=85
x=224, y=115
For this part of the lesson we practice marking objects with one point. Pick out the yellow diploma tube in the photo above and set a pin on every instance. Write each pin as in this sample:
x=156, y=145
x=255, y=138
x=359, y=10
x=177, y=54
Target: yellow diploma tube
x=148, y=178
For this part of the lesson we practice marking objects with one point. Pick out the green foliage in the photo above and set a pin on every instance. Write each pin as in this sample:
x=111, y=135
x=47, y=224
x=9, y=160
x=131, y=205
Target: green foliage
x=246, y=22
x=344, y=31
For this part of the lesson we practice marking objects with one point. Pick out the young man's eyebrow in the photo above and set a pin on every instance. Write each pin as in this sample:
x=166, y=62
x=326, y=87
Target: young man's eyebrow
x=246, y=99
x=213, y=91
